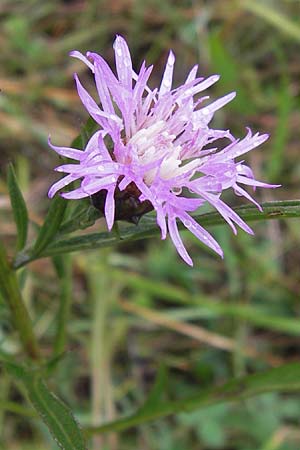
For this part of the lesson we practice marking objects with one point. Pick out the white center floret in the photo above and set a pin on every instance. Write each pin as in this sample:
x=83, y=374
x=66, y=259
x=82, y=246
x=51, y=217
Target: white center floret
x=154, y=143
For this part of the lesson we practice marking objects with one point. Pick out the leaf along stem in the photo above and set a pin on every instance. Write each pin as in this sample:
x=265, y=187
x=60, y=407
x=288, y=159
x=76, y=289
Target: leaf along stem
x=271, y=210
x=56, y=415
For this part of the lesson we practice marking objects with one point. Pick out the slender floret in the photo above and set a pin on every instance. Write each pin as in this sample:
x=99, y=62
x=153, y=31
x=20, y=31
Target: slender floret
x=154, y=150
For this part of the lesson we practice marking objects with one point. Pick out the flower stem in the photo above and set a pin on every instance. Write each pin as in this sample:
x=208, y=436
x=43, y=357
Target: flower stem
x=65, y=280
x=102, y=291
x=12, y=296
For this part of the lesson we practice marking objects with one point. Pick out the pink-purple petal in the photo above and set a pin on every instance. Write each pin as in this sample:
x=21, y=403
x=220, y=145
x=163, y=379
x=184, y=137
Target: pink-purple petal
x=167, y=79
x=160, y=141
x=67, y=152
x=74, y=195
x=177, y=241
x=109, y=210
x=255, y=183
x=78, y=55
x=123, y=62
x=200, y=233
x=61, y=184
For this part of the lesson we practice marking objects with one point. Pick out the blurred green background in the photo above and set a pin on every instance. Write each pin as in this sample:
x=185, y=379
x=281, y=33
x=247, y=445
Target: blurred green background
x=224, y=318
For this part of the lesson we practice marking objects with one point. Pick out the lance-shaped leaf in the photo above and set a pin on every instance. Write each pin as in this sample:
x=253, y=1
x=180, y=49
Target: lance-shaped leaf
x=272, y=210
x=18, y=206
x=55, y=414
x=51, y=225
x=147, y=228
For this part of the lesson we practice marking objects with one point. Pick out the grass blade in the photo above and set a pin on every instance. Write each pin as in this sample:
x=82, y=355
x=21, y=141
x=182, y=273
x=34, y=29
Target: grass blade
x=273, y=17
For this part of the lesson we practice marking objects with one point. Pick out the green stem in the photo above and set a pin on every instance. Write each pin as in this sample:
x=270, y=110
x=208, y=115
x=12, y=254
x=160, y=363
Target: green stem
x=12, y=296
x=101, y=293
x=65, y=278
x=286, y=209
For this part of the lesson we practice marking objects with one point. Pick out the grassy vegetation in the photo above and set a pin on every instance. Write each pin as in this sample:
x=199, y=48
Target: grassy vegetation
x=137, y=307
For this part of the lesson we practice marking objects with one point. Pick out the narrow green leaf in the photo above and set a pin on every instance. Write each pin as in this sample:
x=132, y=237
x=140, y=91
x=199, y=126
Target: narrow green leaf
x=272, y=210
x=148, y=228
x=281, y=379
x=51, y=225
x=55, y=414
x=18, y=206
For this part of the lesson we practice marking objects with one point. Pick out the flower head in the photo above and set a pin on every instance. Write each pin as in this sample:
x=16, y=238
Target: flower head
x=153, y=150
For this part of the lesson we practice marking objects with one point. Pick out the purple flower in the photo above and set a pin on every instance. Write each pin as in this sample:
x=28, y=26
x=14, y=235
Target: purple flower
x=154, y=150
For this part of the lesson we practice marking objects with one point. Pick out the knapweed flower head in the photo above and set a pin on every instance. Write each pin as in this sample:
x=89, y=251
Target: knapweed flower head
x=154, y=150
